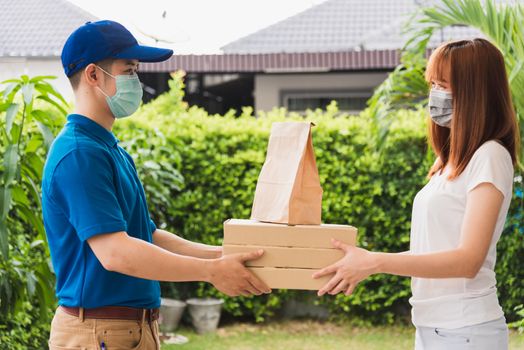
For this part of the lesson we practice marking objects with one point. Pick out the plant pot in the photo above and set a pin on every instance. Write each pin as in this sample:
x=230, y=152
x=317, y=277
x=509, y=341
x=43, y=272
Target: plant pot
x=205, y=314
x=171, y=311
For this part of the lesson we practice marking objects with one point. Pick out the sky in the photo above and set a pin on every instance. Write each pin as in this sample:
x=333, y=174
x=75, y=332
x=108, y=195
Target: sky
x=194, y=26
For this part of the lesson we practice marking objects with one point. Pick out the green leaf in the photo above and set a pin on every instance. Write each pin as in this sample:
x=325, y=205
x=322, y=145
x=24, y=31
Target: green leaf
x=4, y=246
x=4, y=106
x=34, y=165
x=52, y=102
x=10, y=164
x=11, y=89
x=19, y=196
x=10, y=116
x=44, y=288
x=47, y=88
x=31, y=283
x=5, y=204
x=36, y=243
x=32, y=218
x=35, y=191
x=47, y=134
x=27, y=93
x=15, y=133
x=33, y=144
x=41, y=116
x=42, y=77
x=10, y=81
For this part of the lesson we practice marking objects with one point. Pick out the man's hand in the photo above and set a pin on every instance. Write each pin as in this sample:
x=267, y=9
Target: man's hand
x=219, y=251
x=231, y=277
x=354, y=267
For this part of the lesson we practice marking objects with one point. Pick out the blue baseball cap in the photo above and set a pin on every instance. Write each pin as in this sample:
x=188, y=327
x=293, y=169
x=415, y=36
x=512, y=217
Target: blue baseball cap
x=96, y=41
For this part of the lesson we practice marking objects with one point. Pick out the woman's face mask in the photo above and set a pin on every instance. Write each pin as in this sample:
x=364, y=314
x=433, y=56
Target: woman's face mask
x=128, y=95
x=440, y=107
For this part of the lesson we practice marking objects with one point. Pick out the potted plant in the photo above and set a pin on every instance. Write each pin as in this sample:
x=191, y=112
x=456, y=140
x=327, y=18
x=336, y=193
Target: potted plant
x=205, y=313
x=171, y=311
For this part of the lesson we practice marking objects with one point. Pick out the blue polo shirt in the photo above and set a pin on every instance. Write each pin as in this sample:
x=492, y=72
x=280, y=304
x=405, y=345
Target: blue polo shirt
x=90, y=187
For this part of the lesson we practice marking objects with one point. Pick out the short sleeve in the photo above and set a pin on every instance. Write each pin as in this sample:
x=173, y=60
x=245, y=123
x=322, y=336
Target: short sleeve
x=491, y=163
x=83, y=187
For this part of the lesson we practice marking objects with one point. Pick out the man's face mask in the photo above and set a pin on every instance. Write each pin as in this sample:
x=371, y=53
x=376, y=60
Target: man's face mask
x=128, y=95
x=440, y=107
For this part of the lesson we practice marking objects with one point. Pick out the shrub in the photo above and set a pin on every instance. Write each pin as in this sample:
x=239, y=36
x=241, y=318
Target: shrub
x=219, y=158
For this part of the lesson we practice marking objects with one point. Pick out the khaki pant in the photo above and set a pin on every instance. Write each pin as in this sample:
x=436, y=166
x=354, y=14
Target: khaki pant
x=74, y=333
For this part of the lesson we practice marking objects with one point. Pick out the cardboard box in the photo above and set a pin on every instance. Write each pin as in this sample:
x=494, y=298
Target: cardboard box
x=251, y=232
x=305, y=258
x=282, y=278
x=292, y=253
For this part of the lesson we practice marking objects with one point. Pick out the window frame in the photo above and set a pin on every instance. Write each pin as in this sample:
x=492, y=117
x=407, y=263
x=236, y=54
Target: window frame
x=286, y=94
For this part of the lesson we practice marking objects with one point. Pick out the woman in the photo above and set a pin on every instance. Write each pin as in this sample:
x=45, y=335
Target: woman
x=459, y=215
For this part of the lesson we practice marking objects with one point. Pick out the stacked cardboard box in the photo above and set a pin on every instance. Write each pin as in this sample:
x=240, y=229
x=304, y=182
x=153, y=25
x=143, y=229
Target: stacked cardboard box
x=291, y=253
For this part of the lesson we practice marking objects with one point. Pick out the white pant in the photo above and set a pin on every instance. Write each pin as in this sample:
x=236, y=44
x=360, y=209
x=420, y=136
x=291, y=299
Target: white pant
x=491, y=335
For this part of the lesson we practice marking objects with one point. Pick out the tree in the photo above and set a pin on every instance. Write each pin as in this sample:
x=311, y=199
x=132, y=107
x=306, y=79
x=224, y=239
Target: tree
x=500, y=23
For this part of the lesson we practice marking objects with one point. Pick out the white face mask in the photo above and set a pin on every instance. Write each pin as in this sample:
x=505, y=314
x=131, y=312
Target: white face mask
x=441, y=107
x=128, y=95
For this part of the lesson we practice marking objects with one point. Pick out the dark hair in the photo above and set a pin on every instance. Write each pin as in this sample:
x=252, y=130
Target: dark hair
x=105, y=64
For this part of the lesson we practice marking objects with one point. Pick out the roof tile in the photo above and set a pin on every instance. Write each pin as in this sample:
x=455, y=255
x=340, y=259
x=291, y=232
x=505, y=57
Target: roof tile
x=343, y=25
x=38, y=28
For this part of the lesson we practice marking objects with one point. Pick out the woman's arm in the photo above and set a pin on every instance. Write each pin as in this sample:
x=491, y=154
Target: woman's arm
x=482, y=209
x=179, y=245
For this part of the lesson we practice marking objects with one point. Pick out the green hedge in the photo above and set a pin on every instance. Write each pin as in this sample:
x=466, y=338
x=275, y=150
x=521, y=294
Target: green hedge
x=218, y=159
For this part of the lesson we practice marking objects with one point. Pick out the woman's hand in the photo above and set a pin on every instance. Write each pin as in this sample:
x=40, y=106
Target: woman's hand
x=355, y=266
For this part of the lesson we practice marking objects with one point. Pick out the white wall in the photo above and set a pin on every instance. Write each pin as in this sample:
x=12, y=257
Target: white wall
x=16, y=66
x=269, y=86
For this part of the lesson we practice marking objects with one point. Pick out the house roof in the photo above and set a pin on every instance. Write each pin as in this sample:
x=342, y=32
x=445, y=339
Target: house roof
x=279, y=62
x=38, y=28
x=344, y=25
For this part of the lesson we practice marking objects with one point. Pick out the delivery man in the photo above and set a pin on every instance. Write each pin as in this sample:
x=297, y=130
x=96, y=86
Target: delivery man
x=106, y=251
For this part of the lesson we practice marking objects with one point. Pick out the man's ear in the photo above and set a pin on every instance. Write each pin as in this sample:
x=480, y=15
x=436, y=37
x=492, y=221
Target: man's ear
x=91, y=75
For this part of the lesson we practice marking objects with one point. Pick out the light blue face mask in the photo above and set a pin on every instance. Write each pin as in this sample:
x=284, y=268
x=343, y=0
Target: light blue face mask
x=128, y=95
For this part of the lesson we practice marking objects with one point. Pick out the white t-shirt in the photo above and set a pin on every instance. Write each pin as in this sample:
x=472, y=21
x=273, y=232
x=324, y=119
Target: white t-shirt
x=438, y=213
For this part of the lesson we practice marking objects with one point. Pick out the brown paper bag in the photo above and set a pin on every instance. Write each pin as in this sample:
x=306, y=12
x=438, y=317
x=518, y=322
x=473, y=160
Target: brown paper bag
x=288, y=189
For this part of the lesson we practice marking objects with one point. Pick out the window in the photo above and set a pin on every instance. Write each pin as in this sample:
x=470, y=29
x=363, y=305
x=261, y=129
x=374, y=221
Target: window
x=348, y=101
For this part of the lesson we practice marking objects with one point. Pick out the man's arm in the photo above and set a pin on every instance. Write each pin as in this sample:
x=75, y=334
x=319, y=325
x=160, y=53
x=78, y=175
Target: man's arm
x=176, y=244
x=121, y=253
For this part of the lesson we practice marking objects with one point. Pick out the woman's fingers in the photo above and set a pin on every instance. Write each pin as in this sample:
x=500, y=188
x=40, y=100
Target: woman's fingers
x=350, y=289
x=330, y=285
x=340, y=245
x=326, y=271
x=342, y=285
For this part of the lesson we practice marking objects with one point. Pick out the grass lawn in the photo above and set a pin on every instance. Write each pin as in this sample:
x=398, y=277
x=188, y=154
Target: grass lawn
x=306, y=335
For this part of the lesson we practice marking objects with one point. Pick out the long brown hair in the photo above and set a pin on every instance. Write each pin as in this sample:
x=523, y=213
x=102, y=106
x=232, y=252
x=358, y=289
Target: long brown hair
x=482, y=105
